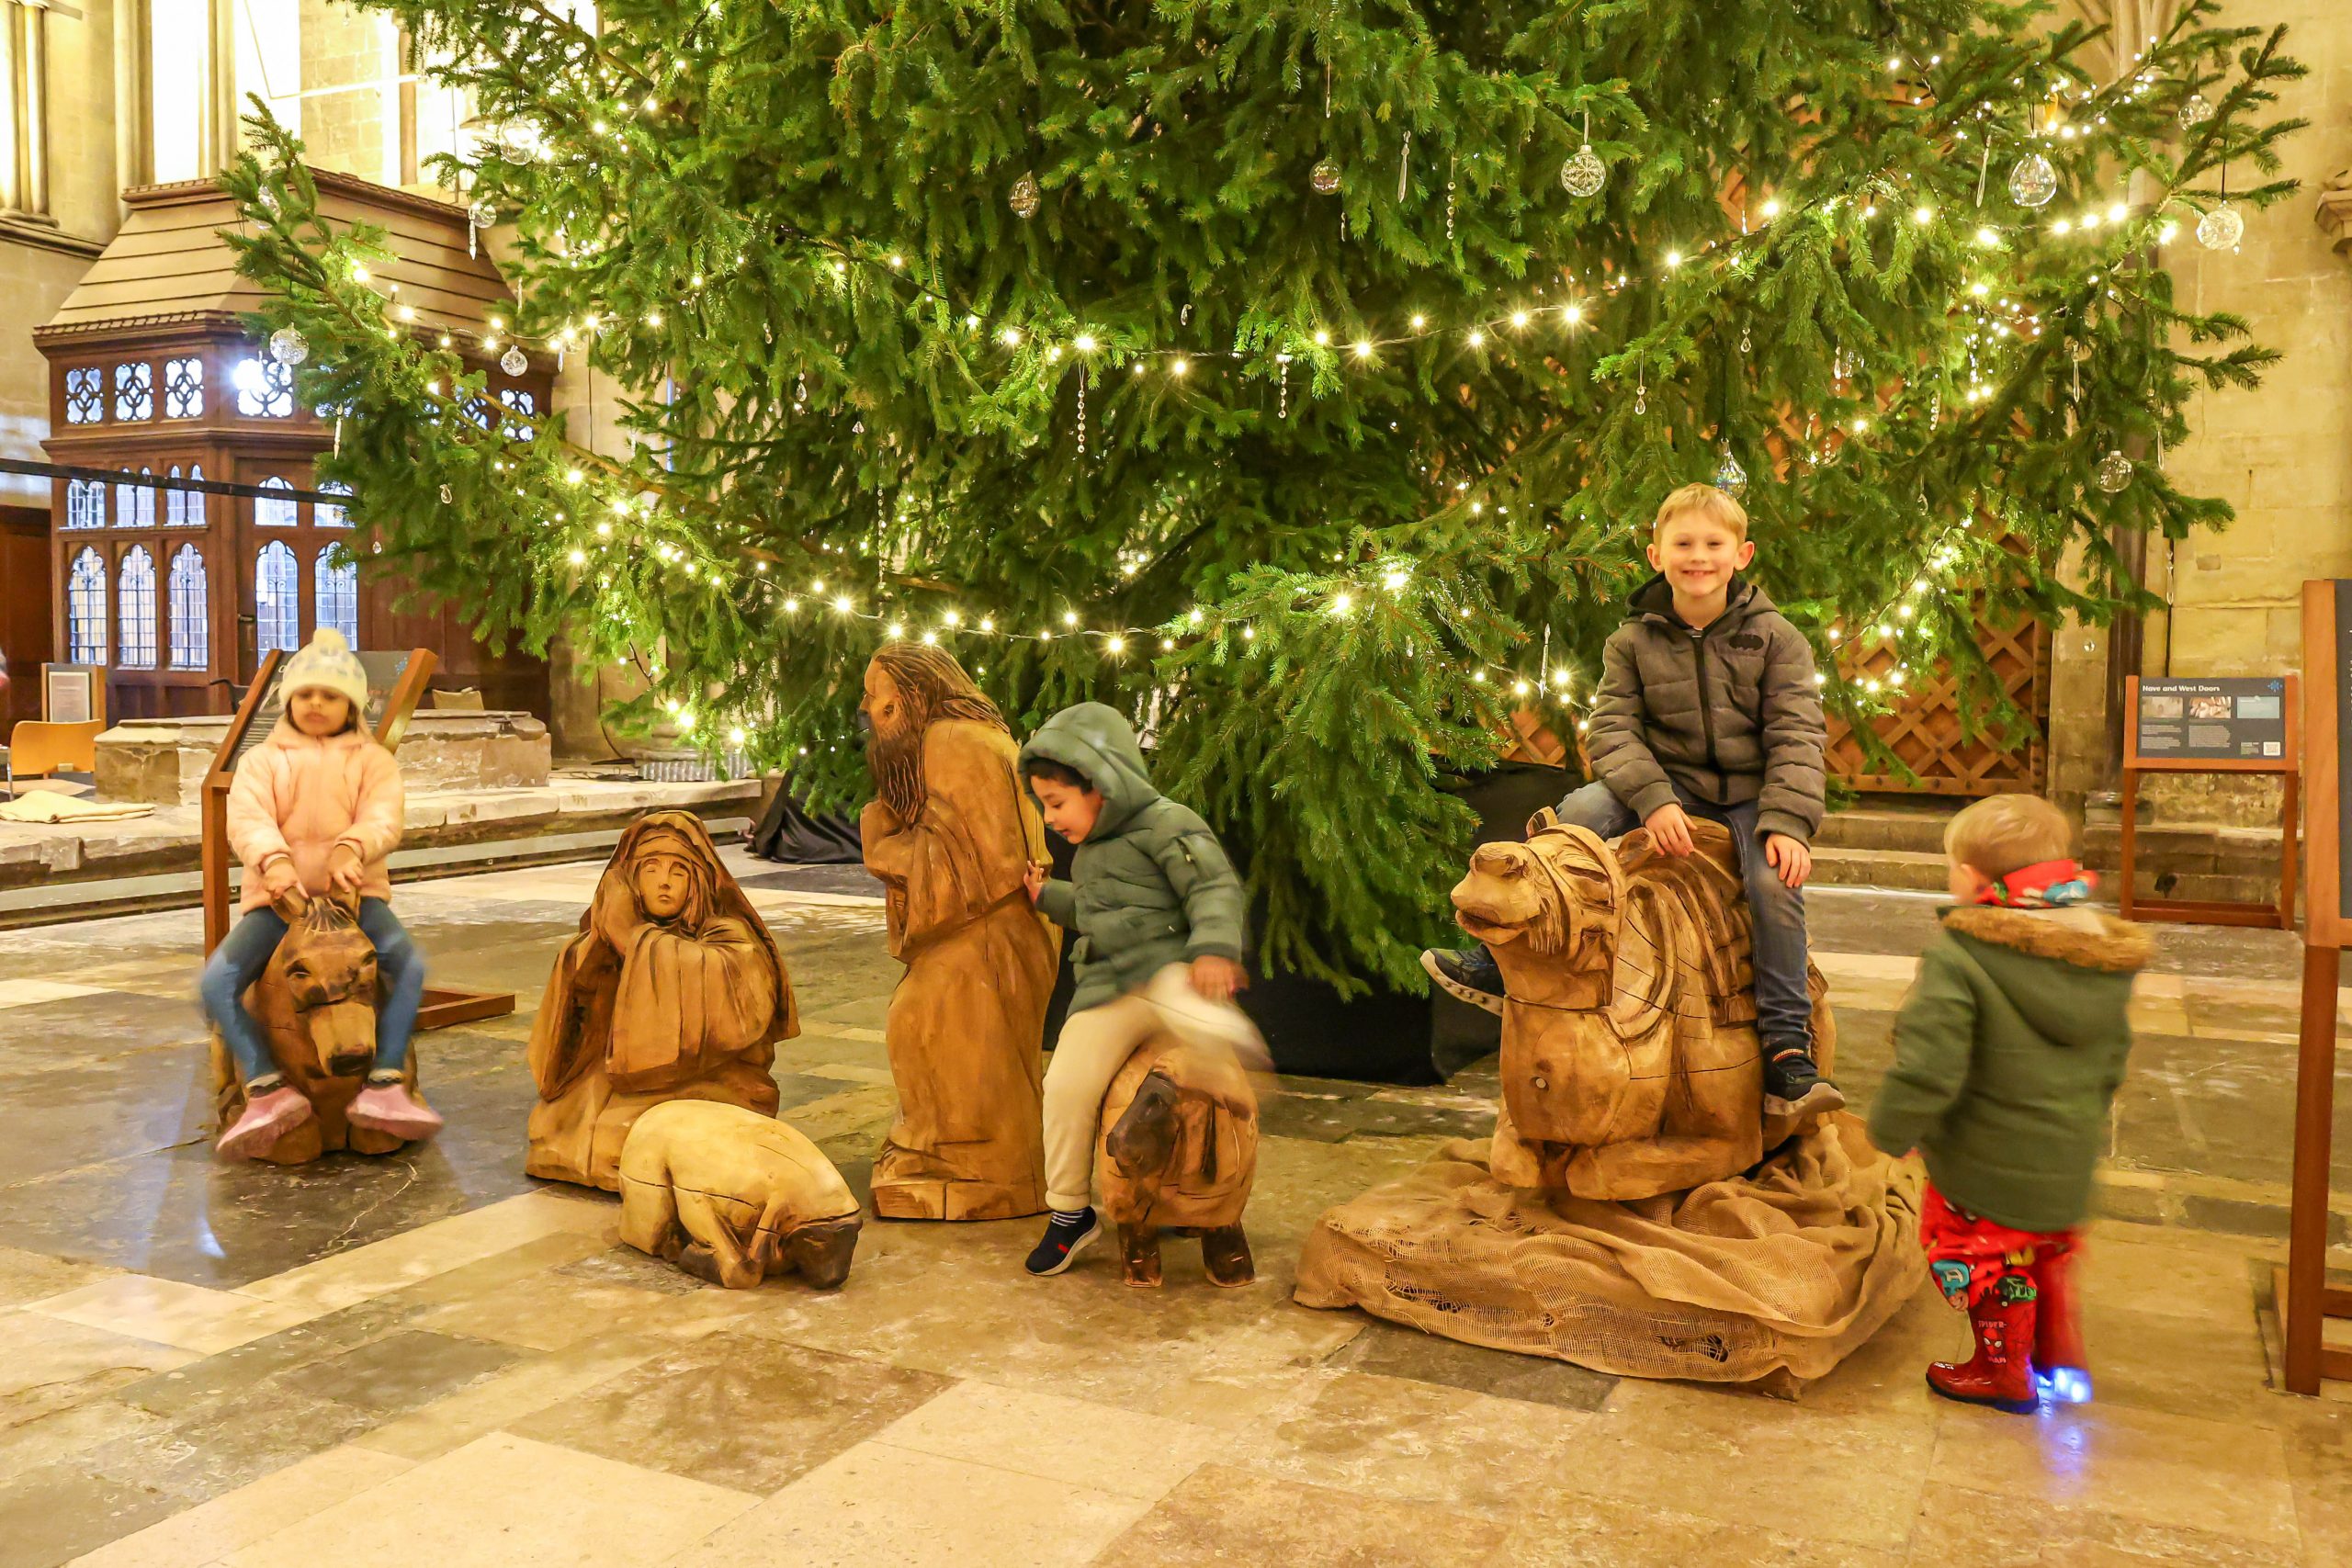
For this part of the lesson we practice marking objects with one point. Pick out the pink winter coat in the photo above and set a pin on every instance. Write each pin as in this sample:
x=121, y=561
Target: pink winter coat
x=299, y=797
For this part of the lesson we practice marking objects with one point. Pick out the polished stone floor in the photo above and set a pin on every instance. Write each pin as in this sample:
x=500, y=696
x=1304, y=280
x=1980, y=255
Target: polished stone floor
x=431, y=1359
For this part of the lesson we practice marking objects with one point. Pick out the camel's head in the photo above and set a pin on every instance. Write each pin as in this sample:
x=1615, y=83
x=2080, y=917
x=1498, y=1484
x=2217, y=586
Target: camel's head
x=328, y=967
x=1561, y=882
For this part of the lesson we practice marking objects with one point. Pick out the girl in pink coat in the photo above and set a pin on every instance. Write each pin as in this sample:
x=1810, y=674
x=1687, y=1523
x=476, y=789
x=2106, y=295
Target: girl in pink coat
x=315, y=811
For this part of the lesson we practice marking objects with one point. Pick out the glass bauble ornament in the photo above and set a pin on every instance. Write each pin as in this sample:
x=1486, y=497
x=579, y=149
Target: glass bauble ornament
x=1025, y=197
x=2033, y=182
x=514, y=362
x=2114, y=471
x=269, y=200
x=519, y=138
x=2221, y=229
x=1324, y=177
x=1585, y=174
x=482, y=215
x=288, y=346
x=1730, y=478
x=2195, y=111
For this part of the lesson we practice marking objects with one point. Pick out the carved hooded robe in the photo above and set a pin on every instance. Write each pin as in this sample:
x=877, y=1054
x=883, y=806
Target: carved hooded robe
x=686, y=1009
x=965, y=1026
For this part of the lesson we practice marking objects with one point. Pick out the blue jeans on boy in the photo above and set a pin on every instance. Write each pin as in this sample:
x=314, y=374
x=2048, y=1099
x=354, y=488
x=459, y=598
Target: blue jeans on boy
x=1776, y=911
x=238, y=962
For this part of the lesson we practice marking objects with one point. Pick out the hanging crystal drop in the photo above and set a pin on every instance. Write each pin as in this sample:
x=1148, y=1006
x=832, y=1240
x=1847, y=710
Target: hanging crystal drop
x=1282, y=408
x=1025, y=196
x=2221, y=229
x=446, y=495
x=1404, y=169
x=1081, y=410
x=1747, y=343
x=1641, y=393
x=1449, y=198
x=1730, y=478
x=2033, y=182
x=338, y=435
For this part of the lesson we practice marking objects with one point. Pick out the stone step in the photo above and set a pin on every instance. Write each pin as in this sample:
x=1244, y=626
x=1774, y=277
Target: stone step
x=1908, y=869
x=1913, y=829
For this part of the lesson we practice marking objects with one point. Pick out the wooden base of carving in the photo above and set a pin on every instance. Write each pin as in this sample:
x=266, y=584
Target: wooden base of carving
x=329, y=1130
x=904, y=1190
x=1177, y=1155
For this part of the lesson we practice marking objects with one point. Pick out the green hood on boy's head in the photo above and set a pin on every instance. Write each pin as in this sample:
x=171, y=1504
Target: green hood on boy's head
x=1098, y=742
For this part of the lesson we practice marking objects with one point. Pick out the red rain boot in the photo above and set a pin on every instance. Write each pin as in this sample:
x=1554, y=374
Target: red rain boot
x=2001, y=1372
x=2061, y=1364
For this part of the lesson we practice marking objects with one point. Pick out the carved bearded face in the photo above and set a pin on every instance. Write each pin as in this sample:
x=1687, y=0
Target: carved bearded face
x=663, y=883
x=894, y=741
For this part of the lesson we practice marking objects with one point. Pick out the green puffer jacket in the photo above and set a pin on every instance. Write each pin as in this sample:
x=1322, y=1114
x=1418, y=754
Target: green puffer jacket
x=1729, y=714
x=2007, y=1054
x=1151, y=885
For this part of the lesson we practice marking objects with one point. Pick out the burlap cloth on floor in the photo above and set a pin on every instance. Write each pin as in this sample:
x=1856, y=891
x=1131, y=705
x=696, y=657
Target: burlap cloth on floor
x=1771, y=1277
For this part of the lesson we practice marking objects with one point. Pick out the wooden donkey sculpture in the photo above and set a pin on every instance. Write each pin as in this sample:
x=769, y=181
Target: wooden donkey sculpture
x=316, y=1002
x=1630, y=1061
x=1178, y=1154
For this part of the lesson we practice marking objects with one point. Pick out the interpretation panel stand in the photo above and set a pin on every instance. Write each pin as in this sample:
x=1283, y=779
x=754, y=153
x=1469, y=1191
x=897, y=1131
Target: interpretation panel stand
x=2241, y=726
x=2308, y=1301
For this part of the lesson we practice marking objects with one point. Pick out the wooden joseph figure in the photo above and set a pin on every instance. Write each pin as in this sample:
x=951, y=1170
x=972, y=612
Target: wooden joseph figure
x=950, y=834
x=672, y=990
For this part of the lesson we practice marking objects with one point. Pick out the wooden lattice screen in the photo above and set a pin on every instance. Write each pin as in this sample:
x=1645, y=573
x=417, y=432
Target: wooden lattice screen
x=1925, y=729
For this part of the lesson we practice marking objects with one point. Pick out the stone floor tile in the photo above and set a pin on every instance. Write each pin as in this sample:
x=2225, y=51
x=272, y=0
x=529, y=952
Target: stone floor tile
x=27, y=1276
x=2186, y=1275
x=1963, y=1529
x=505, y=1501
x=1419, y=1443
x=627, y=1266
x=2318, y=1437
x=1070, y=1440
x=66, y=1432
x=1552, y=1528
x=1231, y=1515
x=52, y=1362
x=401, y=1372
x=28, y=993
x=2180, y=1471
x=877, y=1505
x=61, y=1512
x=549, y=1310
x=348, y=1278
x=1738, y=1458
x=169, y=1313
x=1396, y=1352
x=251, y=1513
x=737, y=1410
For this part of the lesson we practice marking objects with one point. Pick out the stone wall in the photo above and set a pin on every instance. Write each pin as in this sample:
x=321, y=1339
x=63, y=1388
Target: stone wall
x=349, y=131
x=162, y=761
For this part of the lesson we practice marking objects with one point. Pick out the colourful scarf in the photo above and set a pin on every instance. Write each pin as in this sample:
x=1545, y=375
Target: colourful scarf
x=2047, y=885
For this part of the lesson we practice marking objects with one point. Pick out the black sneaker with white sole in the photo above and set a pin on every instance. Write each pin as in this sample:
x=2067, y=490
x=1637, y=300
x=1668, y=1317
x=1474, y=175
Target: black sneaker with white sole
x=1468, y=974
x=1794, y=1087
x=1066, y=1236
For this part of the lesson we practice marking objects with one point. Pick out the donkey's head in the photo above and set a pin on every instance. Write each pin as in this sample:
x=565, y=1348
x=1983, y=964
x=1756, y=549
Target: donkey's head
x=1557, y=886
x=327, y=967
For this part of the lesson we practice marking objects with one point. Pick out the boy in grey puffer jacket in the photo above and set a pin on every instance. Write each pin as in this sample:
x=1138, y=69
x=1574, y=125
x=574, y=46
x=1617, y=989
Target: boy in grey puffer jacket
x=1709, y=706
x=1159, y=915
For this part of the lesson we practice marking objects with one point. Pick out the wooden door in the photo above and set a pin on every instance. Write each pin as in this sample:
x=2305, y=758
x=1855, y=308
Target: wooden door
x=27, y=606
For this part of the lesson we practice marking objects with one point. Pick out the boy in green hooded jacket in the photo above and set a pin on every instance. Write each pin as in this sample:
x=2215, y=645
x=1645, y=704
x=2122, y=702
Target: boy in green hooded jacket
x=2008, y=1054
x=1151, y=892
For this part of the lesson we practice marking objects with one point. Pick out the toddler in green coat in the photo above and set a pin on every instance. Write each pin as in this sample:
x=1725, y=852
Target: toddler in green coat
x=1158, y=912
x=2007, y=1054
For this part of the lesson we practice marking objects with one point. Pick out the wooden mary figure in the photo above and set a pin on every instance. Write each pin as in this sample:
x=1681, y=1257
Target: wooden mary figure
x=950, y=834
x=672, y=990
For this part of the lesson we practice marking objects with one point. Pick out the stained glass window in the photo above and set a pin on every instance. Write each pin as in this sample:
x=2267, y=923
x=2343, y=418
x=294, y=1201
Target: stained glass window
x=326, y=514
x=191, y=611
x=273, y=512
x=85, y=503
x=134, y=505
x=85, y=610
x=84, y=401
x=136, y=614
x=336, y=585
x=182, y=389
x=134, y=390
x=264, y=389
x=277, y=614
x=522, y=402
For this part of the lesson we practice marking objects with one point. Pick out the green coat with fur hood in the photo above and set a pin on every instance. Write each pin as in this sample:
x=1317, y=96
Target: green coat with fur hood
x=2007, y=1054
x=1150, y=885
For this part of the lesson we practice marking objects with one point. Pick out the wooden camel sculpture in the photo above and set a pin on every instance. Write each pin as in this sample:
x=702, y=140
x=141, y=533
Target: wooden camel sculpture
x=317, y=1003
x=1630, y=1060
x=1178, y=1154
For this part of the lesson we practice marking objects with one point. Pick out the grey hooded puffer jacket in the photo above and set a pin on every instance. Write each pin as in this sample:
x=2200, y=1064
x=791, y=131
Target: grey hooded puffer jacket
x=1150, y=885
x=1728, y=713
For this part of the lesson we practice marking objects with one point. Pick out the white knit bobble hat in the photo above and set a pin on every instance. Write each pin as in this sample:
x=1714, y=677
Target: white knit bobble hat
x=327, y=662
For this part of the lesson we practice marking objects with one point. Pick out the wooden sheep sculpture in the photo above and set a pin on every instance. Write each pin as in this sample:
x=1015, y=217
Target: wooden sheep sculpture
x=1630, y=1061
x=732, y=1197
x=316, y=1002
x=1177, y=1153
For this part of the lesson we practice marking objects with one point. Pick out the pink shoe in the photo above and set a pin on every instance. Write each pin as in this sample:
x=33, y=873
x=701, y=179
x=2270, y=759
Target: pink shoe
x=267, y=1118
x=389, y=1108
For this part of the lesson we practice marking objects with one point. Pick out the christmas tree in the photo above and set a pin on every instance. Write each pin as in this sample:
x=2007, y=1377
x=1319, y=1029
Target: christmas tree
x=1299, y=378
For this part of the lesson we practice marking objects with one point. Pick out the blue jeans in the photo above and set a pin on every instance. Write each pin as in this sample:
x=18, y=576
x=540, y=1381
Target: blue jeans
x=238, y=962
x=1776, y=911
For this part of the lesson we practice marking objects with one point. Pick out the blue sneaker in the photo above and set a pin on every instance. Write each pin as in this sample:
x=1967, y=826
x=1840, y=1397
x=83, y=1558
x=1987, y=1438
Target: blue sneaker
x=1468, y=974
x=1066, y=1236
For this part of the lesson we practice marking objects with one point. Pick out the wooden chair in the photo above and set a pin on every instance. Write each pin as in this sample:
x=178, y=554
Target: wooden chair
x=404, y=678
x=37, y=748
